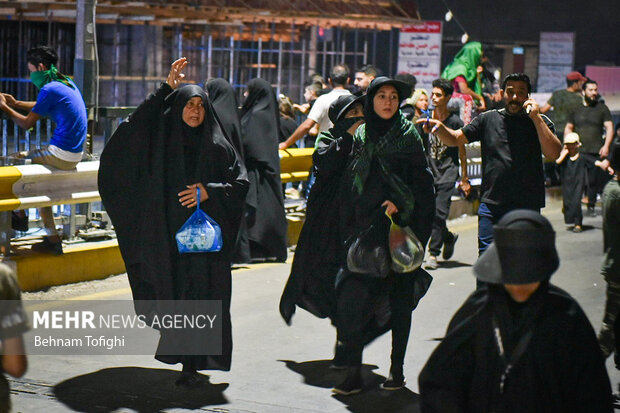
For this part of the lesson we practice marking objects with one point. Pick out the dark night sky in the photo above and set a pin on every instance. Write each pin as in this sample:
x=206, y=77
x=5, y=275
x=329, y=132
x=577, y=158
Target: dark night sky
x=596, y=23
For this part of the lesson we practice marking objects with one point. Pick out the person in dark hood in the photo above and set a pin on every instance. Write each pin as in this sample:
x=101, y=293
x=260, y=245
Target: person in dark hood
x=224, y=102
x=387, y=175
x=265, y=202
x=148, y=178
x=320, y=248
x=519, y=344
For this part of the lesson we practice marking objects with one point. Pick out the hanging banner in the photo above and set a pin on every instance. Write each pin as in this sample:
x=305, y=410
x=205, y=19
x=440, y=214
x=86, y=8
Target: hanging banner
x=555, y=61
x=419, y=52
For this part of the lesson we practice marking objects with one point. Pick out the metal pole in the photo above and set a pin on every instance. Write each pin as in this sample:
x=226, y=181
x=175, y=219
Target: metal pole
x=145, y=56
x=260, y=56
x=232, y=60
x=391, y=47
x=279, y=66
x=374, y=47
x=210, y=56
x=84, y=63
x=355, y=47
x=203, y=56
x=271, y=47
x=21, y=58
x=252, y=48
x=290, y=59
x=302, y=72
x=314, y=40
x=116, y=61
x=365, y=56
x=324, y=59
x=344, y=46
x=179, y=42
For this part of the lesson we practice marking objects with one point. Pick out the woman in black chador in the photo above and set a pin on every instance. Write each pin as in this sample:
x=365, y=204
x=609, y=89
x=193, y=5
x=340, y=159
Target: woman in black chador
x=148, y=176
x=320, y=249
x=224, y=102
x=264, y=204
x=389, y=175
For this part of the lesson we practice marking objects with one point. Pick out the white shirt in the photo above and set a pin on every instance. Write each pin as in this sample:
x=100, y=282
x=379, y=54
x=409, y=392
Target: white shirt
x=65, y=155
x=320, y=109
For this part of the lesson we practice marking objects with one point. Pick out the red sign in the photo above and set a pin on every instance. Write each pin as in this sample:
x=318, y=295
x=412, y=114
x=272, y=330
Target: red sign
x=424, y=27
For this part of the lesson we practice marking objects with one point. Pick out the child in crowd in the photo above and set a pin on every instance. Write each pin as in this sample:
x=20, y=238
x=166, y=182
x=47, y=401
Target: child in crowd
x=572, y=173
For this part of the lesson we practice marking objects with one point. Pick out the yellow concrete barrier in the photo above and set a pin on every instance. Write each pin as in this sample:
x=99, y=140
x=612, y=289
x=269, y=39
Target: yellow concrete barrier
x=295, y=164
x=29, y=186
x=8, y=176
x=80, y=262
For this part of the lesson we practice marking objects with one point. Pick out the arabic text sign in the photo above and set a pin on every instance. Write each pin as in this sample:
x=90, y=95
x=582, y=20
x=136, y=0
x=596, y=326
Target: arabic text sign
x=555, y=60
x=419, y=52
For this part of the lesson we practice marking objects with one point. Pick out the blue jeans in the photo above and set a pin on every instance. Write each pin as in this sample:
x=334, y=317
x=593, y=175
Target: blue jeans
x=489, y=215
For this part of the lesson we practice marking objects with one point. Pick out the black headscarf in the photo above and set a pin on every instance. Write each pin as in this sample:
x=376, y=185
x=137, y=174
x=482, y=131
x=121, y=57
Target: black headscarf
x=152, y=157
x=222, y=97
x=376, y=126
x=203, y=161
x=260, y=125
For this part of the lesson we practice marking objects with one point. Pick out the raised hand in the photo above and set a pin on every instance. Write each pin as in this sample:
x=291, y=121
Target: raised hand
x=176, y=76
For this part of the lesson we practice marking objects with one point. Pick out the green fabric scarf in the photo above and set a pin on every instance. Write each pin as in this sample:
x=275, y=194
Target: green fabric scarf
x=465, y=64
x=401, y=138
x=41, y=78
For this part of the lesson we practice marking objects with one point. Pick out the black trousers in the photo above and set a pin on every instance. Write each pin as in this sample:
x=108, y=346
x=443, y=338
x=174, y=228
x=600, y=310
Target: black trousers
x=356, y=299
x=440, y=233
x=596, y=178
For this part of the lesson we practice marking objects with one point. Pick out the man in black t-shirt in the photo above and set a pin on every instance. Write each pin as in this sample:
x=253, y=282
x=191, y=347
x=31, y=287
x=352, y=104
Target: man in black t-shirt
x=444, y=163
x=511, y=140
x=588, y=121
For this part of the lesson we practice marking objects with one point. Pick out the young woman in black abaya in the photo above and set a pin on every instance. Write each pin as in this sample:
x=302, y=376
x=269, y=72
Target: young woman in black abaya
x=320, y=249
x=265, y=214
x=148, y=175
x=224, y=102
x=389, y=175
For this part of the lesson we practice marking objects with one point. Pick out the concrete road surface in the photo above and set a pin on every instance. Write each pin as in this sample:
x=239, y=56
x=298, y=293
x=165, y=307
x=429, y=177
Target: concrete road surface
x=281, y=369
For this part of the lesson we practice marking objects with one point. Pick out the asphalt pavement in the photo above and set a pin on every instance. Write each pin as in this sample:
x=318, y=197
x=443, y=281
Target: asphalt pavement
x=282, y=369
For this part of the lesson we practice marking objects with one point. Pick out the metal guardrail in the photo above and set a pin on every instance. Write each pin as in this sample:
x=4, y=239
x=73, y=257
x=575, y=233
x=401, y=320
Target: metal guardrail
x=15, y=139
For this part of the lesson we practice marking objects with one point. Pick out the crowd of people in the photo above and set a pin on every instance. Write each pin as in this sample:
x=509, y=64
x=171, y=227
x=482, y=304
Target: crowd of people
x=384, y=165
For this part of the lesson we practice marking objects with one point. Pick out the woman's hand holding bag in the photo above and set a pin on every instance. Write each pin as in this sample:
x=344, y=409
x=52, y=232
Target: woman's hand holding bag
x=406, y=250
x=200, y=233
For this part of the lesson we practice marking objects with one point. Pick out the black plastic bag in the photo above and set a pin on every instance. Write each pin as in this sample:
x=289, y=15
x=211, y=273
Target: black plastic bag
x=367, y=255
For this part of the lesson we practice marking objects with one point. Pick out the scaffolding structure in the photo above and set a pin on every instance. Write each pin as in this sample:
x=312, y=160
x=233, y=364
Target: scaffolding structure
x=282, y=41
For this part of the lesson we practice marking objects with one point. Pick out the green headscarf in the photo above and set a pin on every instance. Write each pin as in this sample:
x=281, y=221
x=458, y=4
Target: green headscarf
x=41, y=78
x=465, y=64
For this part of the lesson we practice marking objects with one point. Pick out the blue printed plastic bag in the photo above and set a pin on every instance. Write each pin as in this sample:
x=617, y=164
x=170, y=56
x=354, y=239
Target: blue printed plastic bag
x=200, y=233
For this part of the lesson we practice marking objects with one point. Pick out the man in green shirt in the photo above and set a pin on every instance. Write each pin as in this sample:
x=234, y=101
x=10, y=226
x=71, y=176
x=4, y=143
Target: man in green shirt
x=565, y=101
x=590, y=121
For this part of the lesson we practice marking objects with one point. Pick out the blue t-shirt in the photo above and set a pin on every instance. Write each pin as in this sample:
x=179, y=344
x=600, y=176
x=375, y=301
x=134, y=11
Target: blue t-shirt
x=67, y=109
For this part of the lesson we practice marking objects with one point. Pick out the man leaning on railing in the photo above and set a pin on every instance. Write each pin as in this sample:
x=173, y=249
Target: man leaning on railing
x=60, y=99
